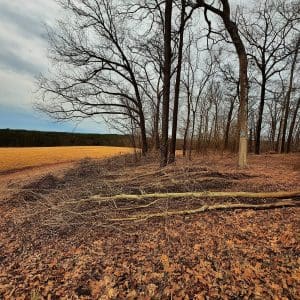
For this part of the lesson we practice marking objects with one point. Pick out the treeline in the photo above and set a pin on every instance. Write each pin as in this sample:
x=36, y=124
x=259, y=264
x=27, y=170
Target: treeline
x=28, y=138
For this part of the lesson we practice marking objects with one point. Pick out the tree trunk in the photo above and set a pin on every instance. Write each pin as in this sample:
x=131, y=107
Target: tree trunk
x=260, y=114
x=243, y=112
x=187, y=126
x=192, y=135
x=156, y=123
x=288, y=96
x=292, y=126
x=166, y=87
x=273, y=128
x=251, y=140
x=243, y=66
x=198, y=146
x=143, y=134
x=228, y=123
x=206, y=138
x=177, y=85
x=233, y=31
x=278, y=144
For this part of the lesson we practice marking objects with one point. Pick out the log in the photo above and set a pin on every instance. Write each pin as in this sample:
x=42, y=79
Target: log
x=209, y=194
x=204, y=208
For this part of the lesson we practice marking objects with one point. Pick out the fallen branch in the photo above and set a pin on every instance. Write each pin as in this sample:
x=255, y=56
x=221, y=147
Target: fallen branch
x=286, y=203
x=197, y=195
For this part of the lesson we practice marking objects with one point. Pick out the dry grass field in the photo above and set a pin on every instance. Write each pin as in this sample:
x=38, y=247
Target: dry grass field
x=20, y=158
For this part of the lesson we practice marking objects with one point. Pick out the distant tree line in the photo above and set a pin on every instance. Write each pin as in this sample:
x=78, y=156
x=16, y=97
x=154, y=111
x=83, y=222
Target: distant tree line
x=27, y=138
x=207, y=72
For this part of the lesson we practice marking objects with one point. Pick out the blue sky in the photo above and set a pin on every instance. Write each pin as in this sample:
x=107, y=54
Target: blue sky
x=23, y=56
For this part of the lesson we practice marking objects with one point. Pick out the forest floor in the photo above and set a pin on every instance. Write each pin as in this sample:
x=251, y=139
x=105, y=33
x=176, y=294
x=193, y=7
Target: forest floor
x=57, y=241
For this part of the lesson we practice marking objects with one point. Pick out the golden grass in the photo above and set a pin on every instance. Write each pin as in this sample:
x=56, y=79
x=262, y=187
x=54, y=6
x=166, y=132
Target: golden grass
x=19, y=158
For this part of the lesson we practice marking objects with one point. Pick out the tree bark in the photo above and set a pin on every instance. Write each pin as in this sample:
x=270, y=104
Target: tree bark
x=187, y=127
x=243, y=110
x=260, y=113
x=143, y=134
x=228, y=123
x=192, y=135
x=166, y=87
x=279, y=135
x=292, y=126
x=156, y=123
x=177, y=85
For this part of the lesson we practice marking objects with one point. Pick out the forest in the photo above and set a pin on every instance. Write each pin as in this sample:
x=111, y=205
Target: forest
x=28, y=138
x=216, y=74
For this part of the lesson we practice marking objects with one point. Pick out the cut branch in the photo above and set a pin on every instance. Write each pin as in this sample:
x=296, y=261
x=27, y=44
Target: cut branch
x=285, y=203
x=197, y=195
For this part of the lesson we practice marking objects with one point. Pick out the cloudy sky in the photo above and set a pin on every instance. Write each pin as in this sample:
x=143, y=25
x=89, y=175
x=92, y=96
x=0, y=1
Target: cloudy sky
x=23, y=56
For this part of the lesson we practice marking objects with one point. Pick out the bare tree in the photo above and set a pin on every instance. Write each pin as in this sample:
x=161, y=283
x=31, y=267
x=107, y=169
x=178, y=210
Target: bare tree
x=266, y=33
x=199, y=86
x=96, y=71
x=166, y=86
x=152, y=63
x=288, y=95
x=228, y=76
x=292, y=126
x=223, y=11
x=177, y=83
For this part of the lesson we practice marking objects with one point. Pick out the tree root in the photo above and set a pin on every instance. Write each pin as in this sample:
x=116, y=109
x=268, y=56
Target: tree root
x=204, y=208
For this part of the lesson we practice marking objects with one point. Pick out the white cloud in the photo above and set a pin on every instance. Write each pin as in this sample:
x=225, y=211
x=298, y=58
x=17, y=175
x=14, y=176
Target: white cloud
x=23, y=55
x=17, y=90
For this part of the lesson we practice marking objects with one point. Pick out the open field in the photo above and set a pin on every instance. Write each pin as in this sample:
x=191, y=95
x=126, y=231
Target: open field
x=59, y=241
x=12, y=159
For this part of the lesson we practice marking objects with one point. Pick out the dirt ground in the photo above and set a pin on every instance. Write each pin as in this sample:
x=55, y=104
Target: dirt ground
x=57, y=242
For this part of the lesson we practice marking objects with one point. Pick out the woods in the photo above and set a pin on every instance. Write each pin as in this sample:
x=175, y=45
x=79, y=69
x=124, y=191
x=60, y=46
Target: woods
x=172, y=70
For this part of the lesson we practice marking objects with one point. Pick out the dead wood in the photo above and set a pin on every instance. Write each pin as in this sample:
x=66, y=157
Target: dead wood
x=204, y=208
x=282, y=194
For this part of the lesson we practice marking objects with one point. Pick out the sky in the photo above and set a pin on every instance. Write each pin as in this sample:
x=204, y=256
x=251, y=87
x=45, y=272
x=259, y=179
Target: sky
x=23, y=56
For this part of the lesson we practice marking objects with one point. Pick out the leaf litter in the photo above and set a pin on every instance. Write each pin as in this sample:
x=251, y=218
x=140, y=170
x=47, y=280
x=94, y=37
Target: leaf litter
x=238, y=254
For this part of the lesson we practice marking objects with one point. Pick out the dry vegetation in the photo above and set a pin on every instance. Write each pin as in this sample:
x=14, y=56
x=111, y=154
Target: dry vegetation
x=59, y=239
x=20, y=158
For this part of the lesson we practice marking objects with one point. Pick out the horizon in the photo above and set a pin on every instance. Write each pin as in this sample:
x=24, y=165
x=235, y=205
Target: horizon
x=58, y=131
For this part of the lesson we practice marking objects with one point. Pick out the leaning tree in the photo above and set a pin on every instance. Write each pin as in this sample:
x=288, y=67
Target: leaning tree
x=222, y=9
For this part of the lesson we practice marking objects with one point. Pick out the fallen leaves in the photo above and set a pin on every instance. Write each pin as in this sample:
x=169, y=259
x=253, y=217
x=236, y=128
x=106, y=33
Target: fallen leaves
x=208, y=260
x=215, y=255
x=165, y=262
